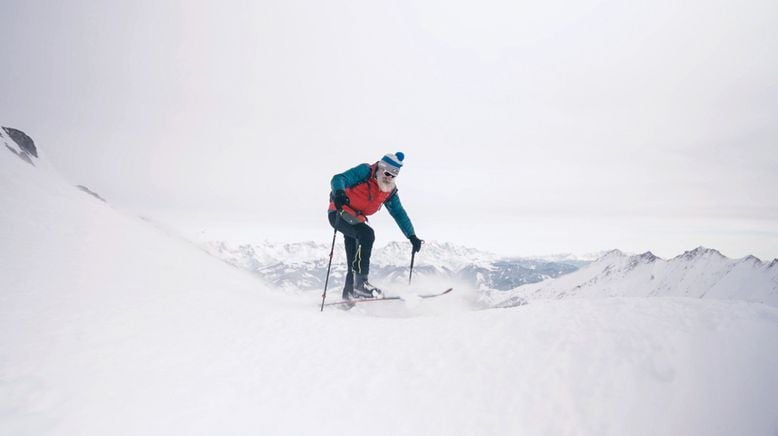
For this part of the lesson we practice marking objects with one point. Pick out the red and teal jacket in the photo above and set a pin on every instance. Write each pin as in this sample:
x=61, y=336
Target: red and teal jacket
x=365, y=198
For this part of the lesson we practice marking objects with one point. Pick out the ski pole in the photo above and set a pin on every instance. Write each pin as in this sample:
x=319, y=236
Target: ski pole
x=413, y=256
x=329, y=265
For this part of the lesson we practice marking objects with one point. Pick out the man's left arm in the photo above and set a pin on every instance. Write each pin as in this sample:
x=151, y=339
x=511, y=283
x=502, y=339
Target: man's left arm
x=397, y=211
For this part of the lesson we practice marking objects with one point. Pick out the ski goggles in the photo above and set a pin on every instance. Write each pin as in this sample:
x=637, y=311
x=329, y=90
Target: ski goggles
x=388, y=171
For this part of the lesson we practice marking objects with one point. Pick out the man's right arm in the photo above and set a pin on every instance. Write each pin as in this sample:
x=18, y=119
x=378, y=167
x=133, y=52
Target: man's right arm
x=350, y=178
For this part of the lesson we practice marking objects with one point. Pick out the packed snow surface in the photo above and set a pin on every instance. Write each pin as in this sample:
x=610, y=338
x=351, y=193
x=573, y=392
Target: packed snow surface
x=109, y=325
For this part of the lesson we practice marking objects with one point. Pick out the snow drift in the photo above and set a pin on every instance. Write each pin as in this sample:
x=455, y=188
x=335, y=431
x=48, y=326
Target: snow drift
x=109, y=325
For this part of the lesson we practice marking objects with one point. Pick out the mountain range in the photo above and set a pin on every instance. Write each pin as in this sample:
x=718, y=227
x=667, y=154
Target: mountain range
x=698, y=273
x=505, y=281
x=303, y=265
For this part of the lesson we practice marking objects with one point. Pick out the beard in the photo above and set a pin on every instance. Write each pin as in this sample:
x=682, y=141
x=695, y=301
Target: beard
x=385, y=186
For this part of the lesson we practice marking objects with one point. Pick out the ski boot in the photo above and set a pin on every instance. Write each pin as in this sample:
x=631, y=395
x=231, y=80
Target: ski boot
x=348, y=288
x=363, y=288
x=348, y=300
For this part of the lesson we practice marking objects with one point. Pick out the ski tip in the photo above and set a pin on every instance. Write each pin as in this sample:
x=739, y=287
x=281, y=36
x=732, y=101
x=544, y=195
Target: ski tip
x=438, y=294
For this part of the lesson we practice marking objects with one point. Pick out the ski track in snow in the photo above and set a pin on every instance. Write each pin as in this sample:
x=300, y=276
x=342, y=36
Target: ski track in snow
x=111, y=326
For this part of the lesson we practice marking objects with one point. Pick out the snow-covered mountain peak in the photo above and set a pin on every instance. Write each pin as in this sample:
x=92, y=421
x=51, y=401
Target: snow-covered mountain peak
x=700, y=252
x=647, y=257
x=612, y=255
x=751, y=259
x=641, y=259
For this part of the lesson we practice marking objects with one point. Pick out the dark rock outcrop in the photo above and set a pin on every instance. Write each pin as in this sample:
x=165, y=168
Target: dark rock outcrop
x=25, y=142
x=90, y=192
x=23, y=147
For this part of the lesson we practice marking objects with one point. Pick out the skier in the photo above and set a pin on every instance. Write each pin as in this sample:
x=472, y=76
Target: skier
x=357, y=194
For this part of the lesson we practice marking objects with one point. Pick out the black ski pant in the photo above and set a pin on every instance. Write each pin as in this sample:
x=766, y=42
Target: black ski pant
x=358, y=239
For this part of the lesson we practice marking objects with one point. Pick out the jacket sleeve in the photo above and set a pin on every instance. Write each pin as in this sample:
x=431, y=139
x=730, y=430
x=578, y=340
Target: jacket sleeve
x=350, y=178
x=397, y=211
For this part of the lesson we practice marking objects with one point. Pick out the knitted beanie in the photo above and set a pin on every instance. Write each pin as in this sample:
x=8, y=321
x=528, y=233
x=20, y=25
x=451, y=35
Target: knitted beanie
x=395, y=161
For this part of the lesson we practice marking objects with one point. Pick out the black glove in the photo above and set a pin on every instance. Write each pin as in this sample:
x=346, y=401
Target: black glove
x=340, y=199
x=416, y=242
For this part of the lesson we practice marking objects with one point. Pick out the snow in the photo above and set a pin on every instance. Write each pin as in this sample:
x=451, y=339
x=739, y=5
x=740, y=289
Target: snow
x=110, y=325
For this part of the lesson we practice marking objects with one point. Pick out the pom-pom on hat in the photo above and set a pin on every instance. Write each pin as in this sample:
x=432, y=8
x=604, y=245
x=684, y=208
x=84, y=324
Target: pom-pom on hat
x=395, y=161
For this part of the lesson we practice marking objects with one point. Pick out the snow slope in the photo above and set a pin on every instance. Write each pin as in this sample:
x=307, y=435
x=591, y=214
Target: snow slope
x=110, y=326
x=698, y=273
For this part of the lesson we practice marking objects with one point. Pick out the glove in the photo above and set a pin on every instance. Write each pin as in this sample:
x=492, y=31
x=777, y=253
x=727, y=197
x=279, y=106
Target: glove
x=416, y=242
x=340, y=199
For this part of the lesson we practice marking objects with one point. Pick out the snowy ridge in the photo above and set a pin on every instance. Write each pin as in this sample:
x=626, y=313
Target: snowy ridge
x=698, y=273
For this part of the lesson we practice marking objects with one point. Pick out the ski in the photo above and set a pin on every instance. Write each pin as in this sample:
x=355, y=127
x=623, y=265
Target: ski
x=394, y=297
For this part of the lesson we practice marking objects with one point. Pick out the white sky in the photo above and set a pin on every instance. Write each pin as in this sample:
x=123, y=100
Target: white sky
x=529, y=127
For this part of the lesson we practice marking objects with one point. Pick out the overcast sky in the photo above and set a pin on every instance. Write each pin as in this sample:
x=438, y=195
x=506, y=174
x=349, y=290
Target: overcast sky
x=529, y=127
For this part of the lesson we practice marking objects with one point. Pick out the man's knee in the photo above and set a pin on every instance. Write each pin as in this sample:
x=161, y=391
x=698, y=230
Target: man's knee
x=366, y=235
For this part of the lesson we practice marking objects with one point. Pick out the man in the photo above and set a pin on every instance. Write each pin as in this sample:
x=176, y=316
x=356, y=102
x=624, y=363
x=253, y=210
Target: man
x=357, y=194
